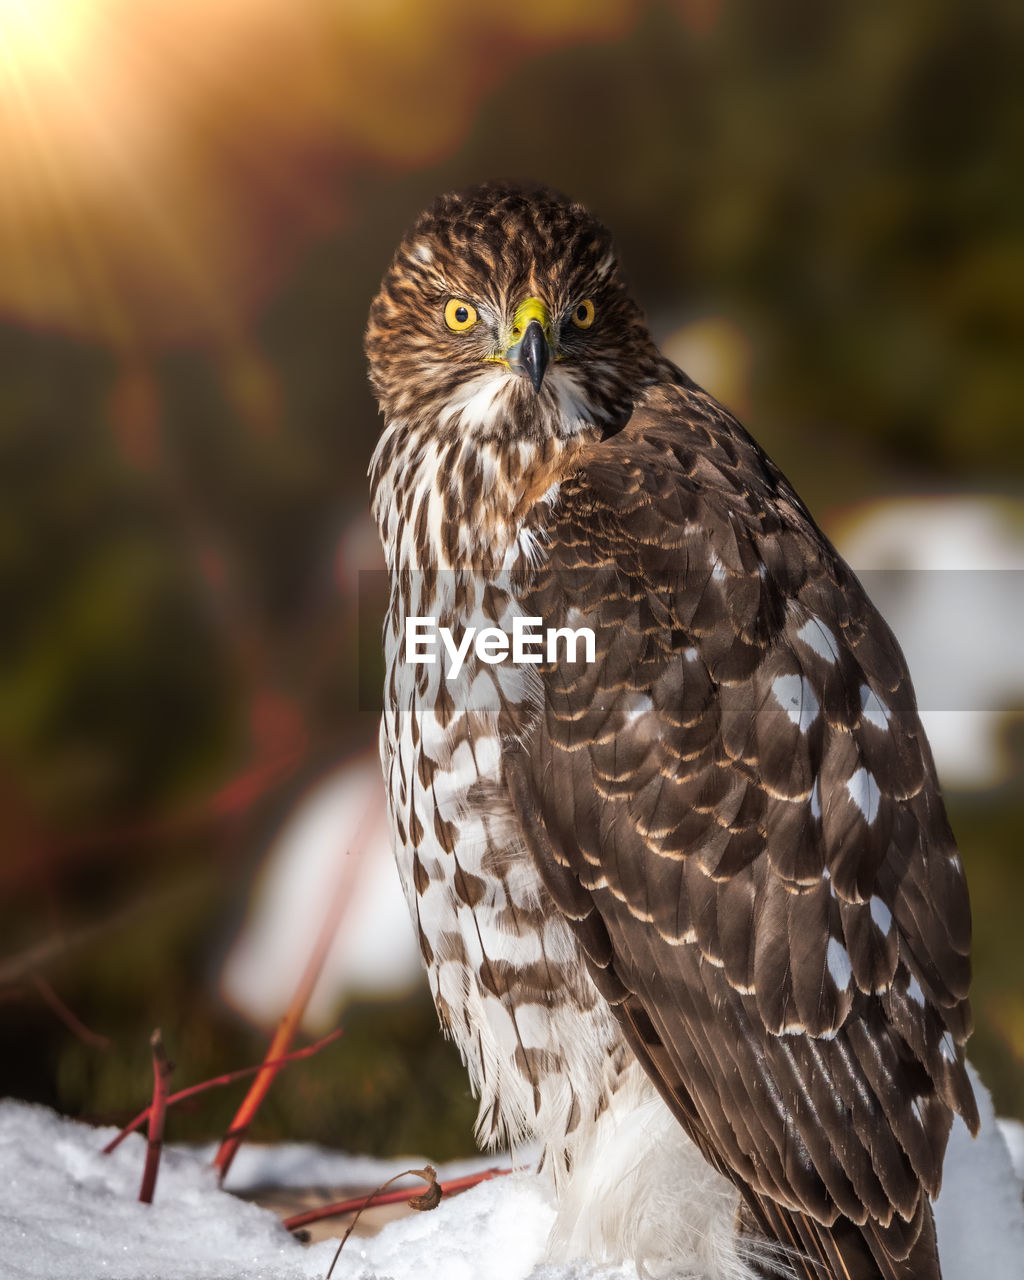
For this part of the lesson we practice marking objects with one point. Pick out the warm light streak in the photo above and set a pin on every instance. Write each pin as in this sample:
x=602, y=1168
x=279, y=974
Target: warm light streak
x=101, y=214
x=162, y=161
x=41, y=37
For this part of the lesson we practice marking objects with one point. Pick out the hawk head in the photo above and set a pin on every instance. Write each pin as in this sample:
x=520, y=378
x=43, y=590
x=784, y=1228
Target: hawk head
x=503, y=313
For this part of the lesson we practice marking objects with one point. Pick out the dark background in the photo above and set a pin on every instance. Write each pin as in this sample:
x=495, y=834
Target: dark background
x=197, y=203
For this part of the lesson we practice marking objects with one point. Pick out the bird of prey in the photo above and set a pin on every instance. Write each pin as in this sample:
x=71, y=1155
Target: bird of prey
x=689, y=901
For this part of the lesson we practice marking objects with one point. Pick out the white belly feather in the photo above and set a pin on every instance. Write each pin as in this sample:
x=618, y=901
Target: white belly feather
x=558, y=1041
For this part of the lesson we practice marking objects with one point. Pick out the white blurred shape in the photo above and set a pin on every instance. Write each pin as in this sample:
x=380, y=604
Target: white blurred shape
x=1013, y=1134
x=337, y=830
x=947, y=574
x=979, y=1215
x=358, y=551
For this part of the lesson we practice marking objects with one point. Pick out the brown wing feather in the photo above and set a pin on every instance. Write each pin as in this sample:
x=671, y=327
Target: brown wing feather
x=736, y=808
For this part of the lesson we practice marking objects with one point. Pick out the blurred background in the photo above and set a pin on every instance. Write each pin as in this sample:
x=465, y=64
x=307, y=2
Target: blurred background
x=820, y=207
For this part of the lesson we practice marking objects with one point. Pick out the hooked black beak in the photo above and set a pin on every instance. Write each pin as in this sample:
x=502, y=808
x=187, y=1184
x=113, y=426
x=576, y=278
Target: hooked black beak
x=534, y=353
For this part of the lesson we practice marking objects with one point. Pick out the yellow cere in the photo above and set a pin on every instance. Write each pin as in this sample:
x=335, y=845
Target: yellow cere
x=583, y=314
x=459, y=315
x=531, y=309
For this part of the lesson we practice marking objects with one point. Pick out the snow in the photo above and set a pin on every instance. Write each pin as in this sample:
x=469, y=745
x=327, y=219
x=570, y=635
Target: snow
x=496, y=1231
x=68, y=1212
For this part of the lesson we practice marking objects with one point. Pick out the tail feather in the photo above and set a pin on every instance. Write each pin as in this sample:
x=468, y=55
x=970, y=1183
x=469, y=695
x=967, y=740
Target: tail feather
x=845, y=1250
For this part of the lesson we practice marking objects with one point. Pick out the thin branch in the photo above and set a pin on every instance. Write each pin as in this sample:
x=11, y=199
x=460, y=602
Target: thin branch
x=73, y=1023
x=228, y=1078
x=158, y=1107
x=234, y=798
x=341, y=1207
x=289, y=1024
x=24, y=964
x=430, y=1199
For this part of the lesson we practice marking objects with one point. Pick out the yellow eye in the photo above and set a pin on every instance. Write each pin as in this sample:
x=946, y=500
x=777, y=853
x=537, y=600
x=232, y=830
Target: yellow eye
x=459, y=315
x=583, y=315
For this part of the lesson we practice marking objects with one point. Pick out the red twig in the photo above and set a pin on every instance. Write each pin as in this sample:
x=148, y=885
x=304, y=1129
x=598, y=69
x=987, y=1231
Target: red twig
x=157, y=1109
x=288, y=1025
x=228, y=1078
x=340, y=1207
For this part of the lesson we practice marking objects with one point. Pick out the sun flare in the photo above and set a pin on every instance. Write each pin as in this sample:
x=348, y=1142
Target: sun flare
x=40, y=38
x=161, y=161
